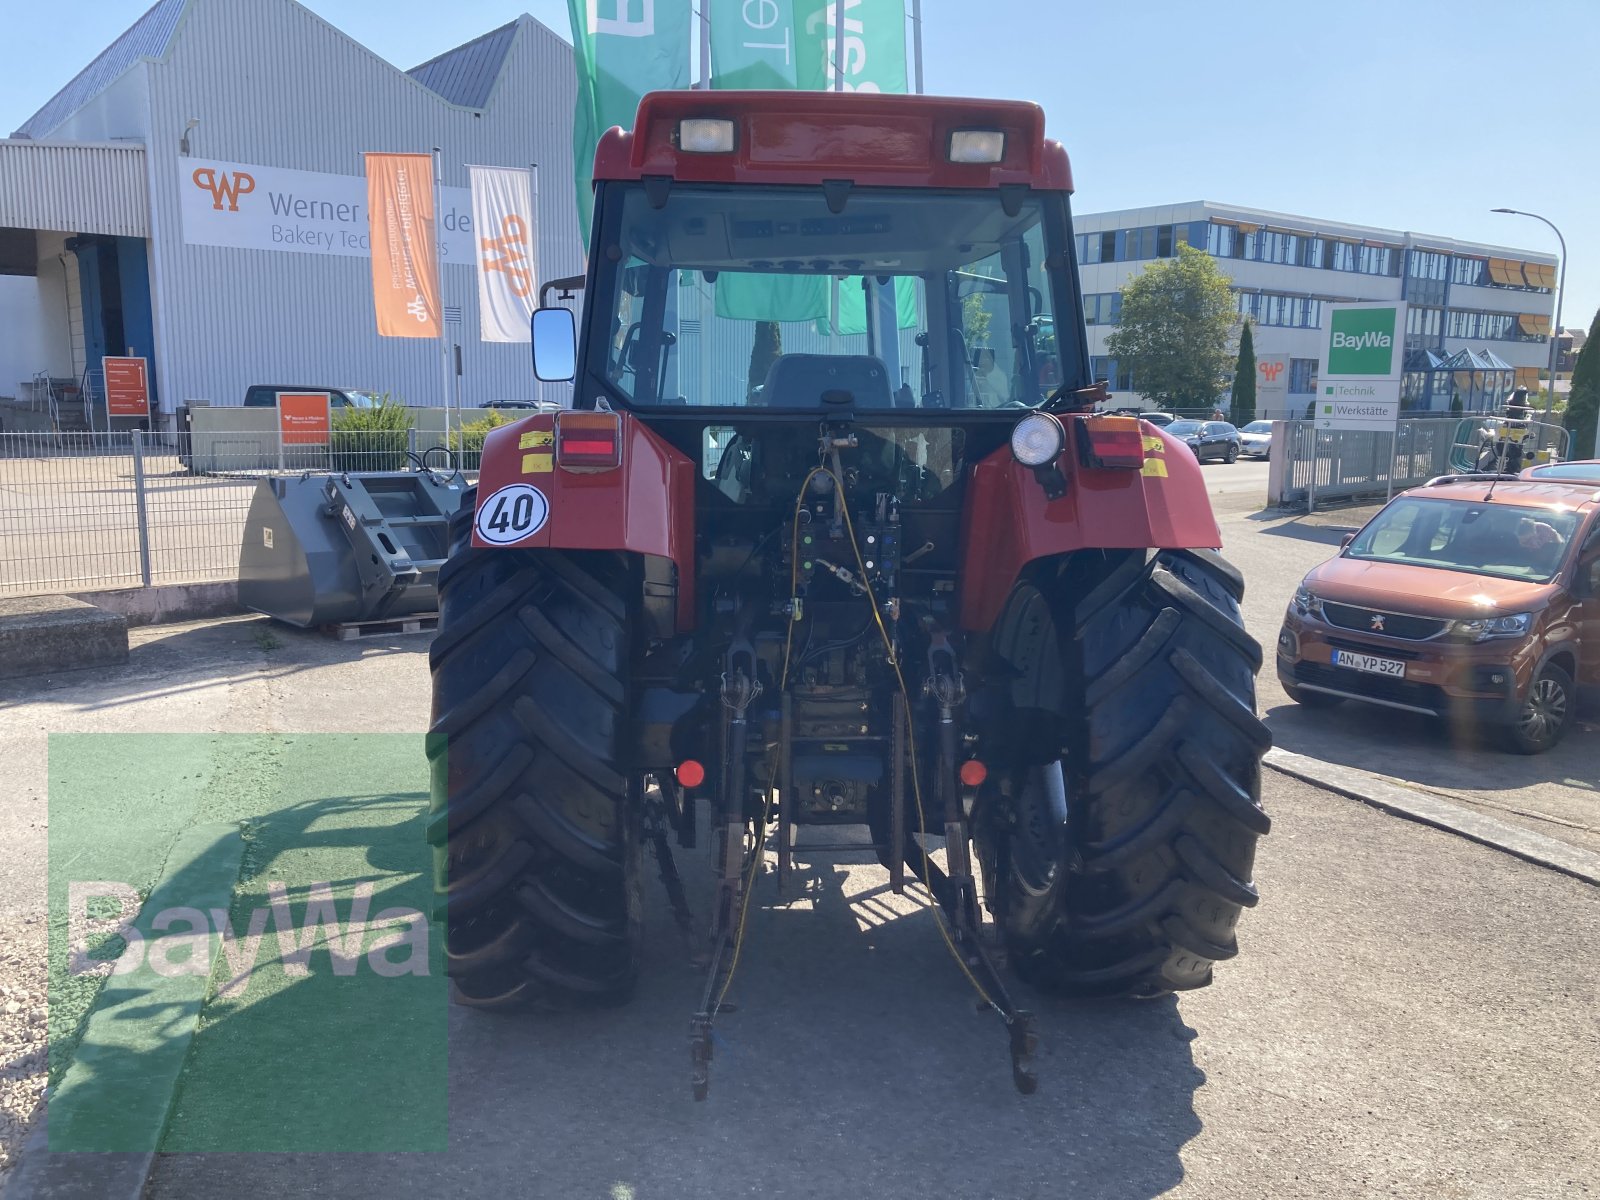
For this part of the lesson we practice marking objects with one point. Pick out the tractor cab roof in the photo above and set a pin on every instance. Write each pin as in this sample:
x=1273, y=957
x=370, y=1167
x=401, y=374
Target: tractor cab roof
x=870, y=139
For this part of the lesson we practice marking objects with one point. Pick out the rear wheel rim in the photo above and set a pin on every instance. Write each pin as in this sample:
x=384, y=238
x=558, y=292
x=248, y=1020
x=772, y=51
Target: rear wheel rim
x=1040, y=843
x=1545, y=710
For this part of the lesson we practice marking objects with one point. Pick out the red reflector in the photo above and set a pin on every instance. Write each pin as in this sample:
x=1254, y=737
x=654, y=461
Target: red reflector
x=588, y=441
x=690, y=773
x=973, y=772
x=1114, y=442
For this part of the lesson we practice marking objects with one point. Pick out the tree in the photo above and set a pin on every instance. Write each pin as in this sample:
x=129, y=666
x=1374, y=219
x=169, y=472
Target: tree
x=1177, y=321
x=1583, y=401
x=1244, y=379
x=766, y=350
x=976, y=320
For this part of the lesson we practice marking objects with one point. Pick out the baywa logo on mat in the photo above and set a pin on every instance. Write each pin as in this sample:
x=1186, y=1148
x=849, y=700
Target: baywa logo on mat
x=1362, y=342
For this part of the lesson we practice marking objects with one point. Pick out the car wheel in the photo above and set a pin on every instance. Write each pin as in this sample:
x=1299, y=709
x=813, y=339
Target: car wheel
x=1232, y=454
x=1309, y=699
x=1545, y=714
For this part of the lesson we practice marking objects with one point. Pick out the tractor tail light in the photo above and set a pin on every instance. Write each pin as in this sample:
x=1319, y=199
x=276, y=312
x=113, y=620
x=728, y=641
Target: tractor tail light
x=690, y=773
x=1116, y=443
x=588, y=441
x=973, y=772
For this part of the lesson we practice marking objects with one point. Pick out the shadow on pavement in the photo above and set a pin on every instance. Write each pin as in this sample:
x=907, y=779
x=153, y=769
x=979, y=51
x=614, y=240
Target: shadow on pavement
x=856, y=1063
x=1432, y=752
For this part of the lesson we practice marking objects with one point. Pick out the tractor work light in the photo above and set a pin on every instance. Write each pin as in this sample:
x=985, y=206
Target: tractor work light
x=977, y=146
x=588, y=441
x=1113, y=442
x=1037, y=439
x=705, y=135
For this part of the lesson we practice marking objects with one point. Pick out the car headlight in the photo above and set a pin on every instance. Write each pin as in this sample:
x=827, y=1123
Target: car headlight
x=1307, y=604
x=1037, y=439
x=1482, y=629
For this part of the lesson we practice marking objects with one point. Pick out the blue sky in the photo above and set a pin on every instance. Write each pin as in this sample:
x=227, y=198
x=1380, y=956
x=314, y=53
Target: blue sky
x=1412, y=114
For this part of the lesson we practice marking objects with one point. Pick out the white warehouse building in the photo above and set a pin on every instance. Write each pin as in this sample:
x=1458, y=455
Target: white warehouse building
x=1478, y=317
x=196, y=197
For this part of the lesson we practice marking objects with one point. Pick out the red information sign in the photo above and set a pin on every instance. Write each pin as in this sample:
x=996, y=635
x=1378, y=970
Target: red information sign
x=127, y=387
x=303, y=418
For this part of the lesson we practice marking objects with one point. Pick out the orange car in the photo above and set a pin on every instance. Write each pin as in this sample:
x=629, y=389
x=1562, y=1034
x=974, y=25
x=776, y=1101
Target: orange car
x=1471, y=597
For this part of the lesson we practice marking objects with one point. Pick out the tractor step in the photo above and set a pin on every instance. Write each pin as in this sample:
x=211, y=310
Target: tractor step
x=396, y=626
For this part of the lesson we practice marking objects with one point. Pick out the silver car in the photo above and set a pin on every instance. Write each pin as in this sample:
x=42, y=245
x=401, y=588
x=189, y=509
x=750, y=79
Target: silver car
x=1255, y=439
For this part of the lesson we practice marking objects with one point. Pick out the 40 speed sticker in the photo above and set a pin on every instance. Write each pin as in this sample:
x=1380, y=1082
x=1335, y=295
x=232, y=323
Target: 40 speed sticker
x=511, y=514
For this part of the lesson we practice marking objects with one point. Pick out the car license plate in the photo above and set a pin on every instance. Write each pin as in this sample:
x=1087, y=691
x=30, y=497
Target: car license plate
x=1370, y=663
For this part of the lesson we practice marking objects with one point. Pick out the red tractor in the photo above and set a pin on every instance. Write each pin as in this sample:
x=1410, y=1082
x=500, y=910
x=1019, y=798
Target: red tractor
x=832, y=535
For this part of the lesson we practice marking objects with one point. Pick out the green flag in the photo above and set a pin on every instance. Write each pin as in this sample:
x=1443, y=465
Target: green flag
x=780, y=44
x=753, y=44
x=623, y=49
x=874, y=45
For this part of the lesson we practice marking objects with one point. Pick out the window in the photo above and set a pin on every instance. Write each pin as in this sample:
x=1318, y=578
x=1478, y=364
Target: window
x=1302, y=376
x=1102, y=308
x=1344, y=256
x=1469, y=272
x=1119, y=379
x=1222, y=241
x=1108, y=246
x=1163, y=241
x=1275, y=308
x=1001, y=284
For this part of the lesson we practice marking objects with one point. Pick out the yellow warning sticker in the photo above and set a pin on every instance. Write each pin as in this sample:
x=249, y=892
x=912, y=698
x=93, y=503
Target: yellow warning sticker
x=1155, y=467
x=539, y=437
x=541, y=463
x=1154, y=445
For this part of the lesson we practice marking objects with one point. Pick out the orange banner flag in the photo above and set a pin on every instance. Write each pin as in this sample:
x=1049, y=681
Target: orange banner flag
x=405, y=260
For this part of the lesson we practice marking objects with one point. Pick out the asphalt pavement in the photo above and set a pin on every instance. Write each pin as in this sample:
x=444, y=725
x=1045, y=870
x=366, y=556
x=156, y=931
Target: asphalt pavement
x=1411, y=1014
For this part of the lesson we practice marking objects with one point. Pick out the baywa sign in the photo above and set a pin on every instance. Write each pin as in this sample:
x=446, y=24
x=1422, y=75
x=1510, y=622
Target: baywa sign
x=250, y=207
x=1364, y=340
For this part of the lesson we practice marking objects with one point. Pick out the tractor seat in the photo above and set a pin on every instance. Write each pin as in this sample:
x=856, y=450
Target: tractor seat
x=802, y=380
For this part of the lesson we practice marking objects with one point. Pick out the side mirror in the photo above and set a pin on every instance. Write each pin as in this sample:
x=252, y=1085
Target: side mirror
x=1346, y=540
x=555, y=345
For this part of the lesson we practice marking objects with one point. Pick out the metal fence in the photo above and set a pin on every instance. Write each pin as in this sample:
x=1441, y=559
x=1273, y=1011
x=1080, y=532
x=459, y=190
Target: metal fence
x=1338, y=466
x=91, y=511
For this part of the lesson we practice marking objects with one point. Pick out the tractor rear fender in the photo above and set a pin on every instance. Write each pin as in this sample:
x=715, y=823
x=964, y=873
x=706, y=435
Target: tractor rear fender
x=1009, y=522
x=530, y=496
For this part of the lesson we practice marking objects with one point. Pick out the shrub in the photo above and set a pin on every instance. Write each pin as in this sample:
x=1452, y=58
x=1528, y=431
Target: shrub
x=370, y=439
x=467, y=442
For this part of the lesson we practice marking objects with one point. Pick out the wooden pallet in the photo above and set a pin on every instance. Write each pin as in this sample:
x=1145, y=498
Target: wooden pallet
x=393, y=626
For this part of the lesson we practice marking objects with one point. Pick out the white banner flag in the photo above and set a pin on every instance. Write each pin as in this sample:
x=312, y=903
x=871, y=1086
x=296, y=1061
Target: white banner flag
x=507, y=232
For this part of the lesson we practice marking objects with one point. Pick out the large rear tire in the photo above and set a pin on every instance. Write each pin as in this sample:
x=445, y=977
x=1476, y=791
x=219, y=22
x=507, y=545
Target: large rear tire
x=534, y=823
x=1133, y=772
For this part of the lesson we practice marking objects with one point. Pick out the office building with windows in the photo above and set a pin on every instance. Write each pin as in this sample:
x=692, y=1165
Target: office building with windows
x=1478, y=317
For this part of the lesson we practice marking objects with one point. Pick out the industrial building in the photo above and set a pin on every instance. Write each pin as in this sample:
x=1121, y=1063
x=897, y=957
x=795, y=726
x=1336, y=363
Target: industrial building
x=195, y=196
x=1478, y=317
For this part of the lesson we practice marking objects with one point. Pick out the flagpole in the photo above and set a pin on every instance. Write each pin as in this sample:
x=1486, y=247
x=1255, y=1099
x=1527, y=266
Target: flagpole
x=916, y=42
x=438, y=255
x=705, y=45
x=838, y=45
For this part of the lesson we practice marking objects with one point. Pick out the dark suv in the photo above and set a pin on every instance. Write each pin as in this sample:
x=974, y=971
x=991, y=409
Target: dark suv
x=1208, y=439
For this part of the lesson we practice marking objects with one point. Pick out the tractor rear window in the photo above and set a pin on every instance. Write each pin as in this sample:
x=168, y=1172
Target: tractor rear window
x=765, y=298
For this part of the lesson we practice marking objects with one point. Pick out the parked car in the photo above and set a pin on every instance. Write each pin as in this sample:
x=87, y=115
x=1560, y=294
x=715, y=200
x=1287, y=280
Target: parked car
x=1255, y=439
x=1155, y=417
x=1584, y=470
x=265, y=395
x=1208, y=439
x=1472, y=599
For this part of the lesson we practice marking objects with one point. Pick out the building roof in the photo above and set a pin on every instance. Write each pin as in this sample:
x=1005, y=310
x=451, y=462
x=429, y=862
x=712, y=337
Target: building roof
x=146, y=38
x=1290, y=223
x=467, y=74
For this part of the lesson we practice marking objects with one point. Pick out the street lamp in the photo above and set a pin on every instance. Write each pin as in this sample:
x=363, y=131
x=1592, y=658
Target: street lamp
x=1561, y=294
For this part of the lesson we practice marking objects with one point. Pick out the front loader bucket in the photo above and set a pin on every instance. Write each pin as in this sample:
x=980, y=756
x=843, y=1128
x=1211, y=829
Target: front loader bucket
x=338, y=549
